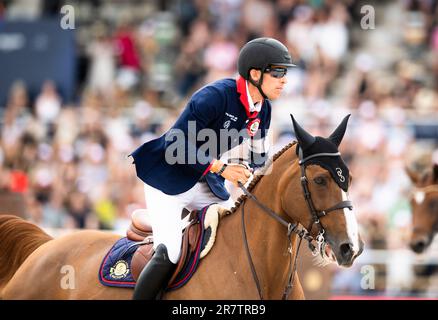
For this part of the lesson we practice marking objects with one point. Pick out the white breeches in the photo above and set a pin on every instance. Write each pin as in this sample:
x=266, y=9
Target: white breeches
x=165, y=213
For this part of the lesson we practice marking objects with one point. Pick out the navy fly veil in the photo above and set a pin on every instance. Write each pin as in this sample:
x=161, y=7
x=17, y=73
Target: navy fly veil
x=311, y=145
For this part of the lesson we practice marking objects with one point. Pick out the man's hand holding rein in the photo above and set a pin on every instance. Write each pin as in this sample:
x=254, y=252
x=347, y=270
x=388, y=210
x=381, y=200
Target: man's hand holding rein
x=231, y=172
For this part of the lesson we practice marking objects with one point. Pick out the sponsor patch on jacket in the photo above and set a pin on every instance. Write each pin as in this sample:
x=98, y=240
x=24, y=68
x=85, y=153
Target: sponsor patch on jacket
x=253, y=127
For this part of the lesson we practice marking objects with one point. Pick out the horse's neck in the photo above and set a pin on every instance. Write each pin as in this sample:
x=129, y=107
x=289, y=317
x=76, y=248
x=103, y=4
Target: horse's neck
x=267, y=238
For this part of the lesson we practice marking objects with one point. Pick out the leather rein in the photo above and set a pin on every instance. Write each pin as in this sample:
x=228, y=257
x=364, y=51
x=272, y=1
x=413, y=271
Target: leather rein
x=302, y=233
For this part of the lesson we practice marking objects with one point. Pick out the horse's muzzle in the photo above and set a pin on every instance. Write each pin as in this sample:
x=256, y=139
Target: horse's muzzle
x=345, y=253
x=420, y=244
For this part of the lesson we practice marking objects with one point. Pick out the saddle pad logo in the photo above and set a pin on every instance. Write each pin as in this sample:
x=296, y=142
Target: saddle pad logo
x=119, y=270
x=253, y=127
x=339, y=173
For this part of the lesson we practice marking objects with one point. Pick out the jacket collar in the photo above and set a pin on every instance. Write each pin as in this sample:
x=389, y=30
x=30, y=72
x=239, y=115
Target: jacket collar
x=241, y=89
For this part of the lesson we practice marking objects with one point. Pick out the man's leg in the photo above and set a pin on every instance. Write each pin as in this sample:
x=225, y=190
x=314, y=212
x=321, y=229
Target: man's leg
x=165, y=212
x=155, y=275
x=205, y=197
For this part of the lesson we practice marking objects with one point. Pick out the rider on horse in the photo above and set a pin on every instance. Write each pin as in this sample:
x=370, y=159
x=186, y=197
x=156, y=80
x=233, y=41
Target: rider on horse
x=239, y=107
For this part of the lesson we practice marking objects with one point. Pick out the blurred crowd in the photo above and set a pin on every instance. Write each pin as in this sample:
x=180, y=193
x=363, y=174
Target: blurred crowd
x=141, y=60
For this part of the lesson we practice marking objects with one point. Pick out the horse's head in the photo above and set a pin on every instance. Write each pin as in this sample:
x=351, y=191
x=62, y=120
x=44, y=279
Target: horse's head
x=325, y=212
x=424, y=204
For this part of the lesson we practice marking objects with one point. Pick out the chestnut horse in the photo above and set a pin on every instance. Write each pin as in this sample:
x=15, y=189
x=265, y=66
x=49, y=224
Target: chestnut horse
x=424, y=205
x=254, y=245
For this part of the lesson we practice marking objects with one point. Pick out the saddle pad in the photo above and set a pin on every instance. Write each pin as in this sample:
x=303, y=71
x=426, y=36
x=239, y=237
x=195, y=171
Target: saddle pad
x=115, y=269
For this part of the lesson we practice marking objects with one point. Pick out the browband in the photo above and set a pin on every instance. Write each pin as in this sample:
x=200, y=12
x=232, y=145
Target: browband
x=319, y=155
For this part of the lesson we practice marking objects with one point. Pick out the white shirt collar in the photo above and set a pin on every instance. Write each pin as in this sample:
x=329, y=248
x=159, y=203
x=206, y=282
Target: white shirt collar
x=252, y=107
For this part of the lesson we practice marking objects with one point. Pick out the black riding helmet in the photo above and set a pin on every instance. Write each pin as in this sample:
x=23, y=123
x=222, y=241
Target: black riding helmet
x=259, y=54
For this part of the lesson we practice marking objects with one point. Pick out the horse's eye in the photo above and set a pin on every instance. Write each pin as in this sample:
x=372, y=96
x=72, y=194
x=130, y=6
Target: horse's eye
x=320, y=180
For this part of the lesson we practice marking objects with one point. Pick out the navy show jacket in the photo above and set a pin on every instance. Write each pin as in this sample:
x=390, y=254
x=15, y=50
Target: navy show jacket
x=221, y=105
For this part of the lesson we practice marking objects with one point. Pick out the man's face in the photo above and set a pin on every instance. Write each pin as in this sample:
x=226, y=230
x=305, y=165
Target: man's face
x=274, y=80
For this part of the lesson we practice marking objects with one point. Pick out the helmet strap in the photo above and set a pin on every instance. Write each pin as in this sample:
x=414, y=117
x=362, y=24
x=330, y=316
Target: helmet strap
x=258, y=85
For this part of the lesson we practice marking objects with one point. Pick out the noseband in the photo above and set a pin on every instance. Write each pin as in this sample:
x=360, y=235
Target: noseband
x=294, y=227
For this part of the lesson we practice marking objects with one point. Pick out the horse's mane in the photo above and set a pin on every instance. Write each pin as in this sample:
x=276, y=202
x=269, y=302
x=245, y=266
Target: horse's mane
x=18, y=239
x=260, y=175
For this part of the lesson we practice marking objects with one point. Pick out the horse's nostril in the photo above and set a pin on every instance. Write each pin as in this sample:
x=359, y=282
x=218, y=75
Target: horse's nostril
x=418, y=246
x=346, y=250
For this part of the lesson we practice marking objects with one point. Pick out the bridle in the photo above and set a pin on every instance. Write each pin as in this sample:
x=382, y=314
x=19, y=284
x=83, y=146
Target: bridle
x=294, y=227
x=316, y=215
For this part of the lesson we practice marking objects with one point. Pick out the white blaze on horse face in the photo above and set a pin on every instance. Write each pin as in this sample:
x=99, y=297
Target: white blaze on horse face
x=419, y=197
x=351, y=223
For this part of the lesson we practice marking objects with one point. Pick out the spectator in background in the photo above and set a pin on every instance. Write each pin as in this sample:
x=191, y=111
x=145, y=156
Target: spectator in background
x=226, y=15
x=298, y=32
x=101, y=50
x=331, y=34
x=220, y=57
x=258, y=17
x=17, y=117
x=129, y=66
x=78, y=207
x=48, y=104
x=2, y=10
x=189, y=65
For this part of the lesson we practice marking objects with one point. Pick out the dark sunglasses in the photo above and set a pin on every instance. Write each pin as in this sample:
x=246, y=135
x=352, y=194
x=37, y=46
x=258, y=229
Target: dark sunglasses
x=276, y=72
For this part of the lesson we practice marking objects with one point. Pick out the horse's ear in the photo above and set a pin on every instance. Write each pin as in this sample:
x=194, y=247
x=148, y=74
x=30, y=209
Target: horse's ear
x=414, y=176
x=304, y=138
x=338, y=134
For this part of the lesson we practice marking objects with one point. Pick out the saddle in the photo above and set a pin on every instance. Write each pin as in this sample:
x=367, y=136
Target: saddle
x=140, y=230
